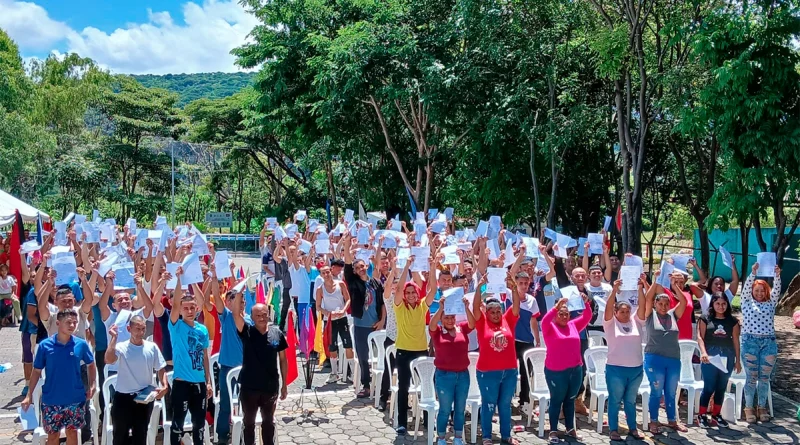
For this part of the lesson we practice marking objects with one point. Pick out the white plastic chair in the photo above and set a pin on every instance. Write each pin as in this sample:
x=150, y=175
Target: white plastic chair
x=595, y=359
x=423, y=368
x=391, y=352
x=356, y=366
x=377, y=352
x=214, y=360
x=738, y=380
x=597, y=338
x=187, y=423
x=237, y=427
x=39, y=436
x=474, y=396
x=534, y=364
x=108, y=427
x=688, y=379
x=644, y=391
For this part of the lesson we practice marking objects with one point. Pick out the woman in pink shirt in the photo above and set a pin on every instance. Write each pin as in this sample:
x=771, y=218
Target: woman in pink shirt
x=563, y=364
x=624, y=370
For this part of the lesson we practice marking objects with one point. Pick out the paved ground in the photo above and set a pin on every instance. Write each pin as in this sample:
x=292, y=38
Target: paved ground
x=344, y=420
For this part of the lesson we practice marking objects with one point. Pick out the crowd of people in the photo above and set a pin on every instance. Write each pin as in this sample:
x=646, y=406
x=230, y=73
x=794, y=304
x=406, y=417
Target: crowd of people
x=152, y=306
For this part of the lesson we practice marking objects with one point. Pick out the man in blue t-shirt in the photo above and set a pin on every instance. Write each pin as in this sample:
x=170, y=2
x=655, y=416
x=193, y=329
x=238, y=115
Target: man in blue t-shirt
x=63, y=394
x=230, y=351
x=191, y=385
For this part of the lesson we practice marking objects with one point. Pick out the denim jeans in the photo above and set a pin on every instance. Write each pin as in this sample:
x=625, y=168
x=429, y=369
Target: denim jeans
x=564, y=387
x=224, y=417
x=623, y=385
x=497, y=390
x=452, y=389
x=663, y=374
x=758, y=355
x=715, y=382
x=361, y=336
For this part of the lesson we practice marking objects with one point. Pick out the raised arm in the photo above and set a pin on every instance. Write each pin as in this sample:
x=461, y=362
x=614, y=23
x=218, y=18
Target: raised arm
x=585, y=259
x=516, y=297
x=476, y=299
x=650, y=298
x=747, y=290
x=612, y=300
x=433, y=326
x=776, y=286
x=641, y=307
x=401, y=284
x=238, y=318
x=177, y=294
x=606, y=263
x=734, y=286
x=518, y=262
x=105, y=312
x=681, y=307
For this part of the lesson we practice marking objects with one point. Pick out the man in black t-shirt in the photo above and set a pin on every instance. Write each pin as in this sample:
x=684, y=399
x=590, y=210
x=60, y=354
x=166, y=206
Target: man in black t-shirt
x=264, y=348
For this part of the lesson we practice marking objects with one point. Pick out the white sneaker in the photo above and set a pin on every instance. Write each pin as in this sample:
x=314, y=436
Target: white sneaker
x=333, y=378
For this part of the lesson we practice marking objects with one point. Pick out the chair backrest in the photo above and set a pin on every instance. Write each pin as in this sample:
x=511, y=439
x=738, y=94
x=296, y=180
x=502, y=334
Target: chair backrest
x=375, y=342
x=232, y=383
x=474, y=389
x=688, y=349
x=596, y=358
x=36, y=398
x=391, y=352
x=424, y=369
x=645, y=381
x=212, y=361
x=534, y=364
x=352, y=328
x=108, y=384
x=597, y=338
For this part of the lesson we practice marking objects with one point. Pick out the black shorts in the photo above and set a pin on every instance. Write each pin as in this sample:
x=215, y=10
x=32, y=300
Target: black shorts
x=340, y=328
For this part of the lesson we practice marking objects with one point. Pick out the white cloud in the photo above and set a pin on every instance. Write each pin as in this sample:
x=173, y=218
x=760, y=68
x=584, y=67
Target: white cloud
x=201, y=44
x=30, y=25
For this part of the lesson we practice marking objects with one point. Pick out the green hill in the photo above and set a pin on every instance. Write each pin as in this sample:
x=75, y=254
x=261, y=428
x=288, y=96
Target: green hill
x=201, y=85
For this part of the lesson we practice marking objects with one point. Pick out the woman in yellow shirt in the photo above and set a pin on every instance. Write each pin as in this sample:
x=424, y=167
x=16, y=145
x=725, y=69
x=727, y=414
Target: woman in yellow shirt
x=411, y=310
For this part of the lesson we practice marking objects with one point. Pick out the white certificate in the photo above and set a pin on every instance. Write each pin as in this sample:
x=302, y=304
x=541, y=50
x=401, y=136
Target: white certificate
x=496, y=280
x=630, y=277
x=454, y=303
x=222, y=265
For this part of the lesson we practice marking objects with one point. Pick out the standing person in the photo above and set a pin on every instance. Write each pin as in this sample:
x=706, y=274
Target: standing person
x=563, y=363
x=497, y=366
x=8, y=291
x=759, y=348
x=230, y=352
x=367, y=308
x=264, y=349
x=624, y=371
x=526, y=333
x=191, y=385
x=662, y=354
x=138, y=360
x=284, y=279
x=63, y=395
x=267, y=260
x=391, y=287
x=410, y=310
x=452, y=369
x=717, y=335
x=333, y=301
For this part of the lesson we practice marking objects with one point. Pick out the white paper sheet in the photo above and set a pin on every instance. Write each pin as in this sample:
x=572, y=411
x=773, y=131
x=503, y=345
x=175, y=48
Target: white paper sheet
x=123, y=276
x=595, y=243
x=222, y=265
x=727, y=259
x=421, y=259
x=630, y=277
x=454, y=303
x=766, y=264
x=496, y=280
x=65, y=268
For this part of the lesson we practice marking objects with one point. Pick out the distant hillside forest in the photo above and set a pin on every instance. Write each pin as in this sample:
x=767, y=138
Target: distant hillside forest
x=195, y=86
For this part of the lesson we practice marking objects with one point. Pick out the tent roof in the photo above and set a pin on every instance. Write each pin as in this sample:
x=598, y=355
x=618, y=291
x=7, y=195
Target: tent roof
x=8, y=204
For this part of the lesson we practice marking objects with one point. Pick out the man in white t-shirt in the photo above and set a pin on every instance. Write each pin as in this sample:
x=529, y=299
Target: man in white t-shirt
x=8, y=290
x=137, y=359
x=124, y=309
x=599, y=291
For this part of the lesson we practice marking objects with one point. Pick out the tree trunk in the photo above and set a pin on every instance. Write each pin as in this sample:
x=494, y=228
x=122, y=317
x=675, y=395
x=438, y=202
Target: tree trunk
x=744, y=230
x=535, y=182
x=705, y=258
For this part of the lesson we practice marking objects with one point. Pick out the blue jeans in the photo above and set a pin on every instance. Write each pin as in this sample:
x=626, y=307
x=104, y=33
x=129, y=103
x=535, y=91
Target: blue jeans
x=623, y=385
x=497, y=390
x=663, y=374
x=715, y=382
x=224, y=417
x=758, y=355
x=452, y=389
x=564, y=386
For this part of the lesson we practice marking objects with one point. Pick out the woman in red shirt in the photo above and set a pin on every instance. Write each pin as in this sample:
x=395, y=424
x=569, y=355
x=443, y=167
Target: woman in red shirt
x=452, y=368
x=497, y=367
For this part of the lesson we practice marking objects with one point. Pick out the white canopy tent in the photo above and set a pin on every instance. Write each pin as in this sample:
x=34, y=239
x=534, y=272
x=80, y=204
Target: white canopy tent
x=9, y=204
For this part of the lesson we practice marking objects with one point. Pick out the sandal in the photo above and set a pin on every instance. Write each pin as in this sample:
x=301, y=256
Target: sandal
x=750, y=415
x=677, y=426
x=487, y=441
x=510, y=441
x=573, y=433
x=615, y=436
x=636, y=435
x=553, y=437
x=763, y=414
x=654, y=428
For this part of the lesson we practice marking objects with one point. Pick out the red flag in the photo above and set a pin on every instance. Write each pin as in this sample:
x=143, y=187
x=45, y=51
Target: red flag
x=241, y=272
x=17, y=238
x=260, y=298
x=291, y=351
x=619, y=218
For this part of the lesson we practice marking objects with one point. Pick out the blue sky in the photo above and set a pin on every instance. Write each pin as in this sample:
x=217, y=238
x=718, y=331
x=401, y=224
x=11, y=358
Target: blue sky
x=132, y=36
